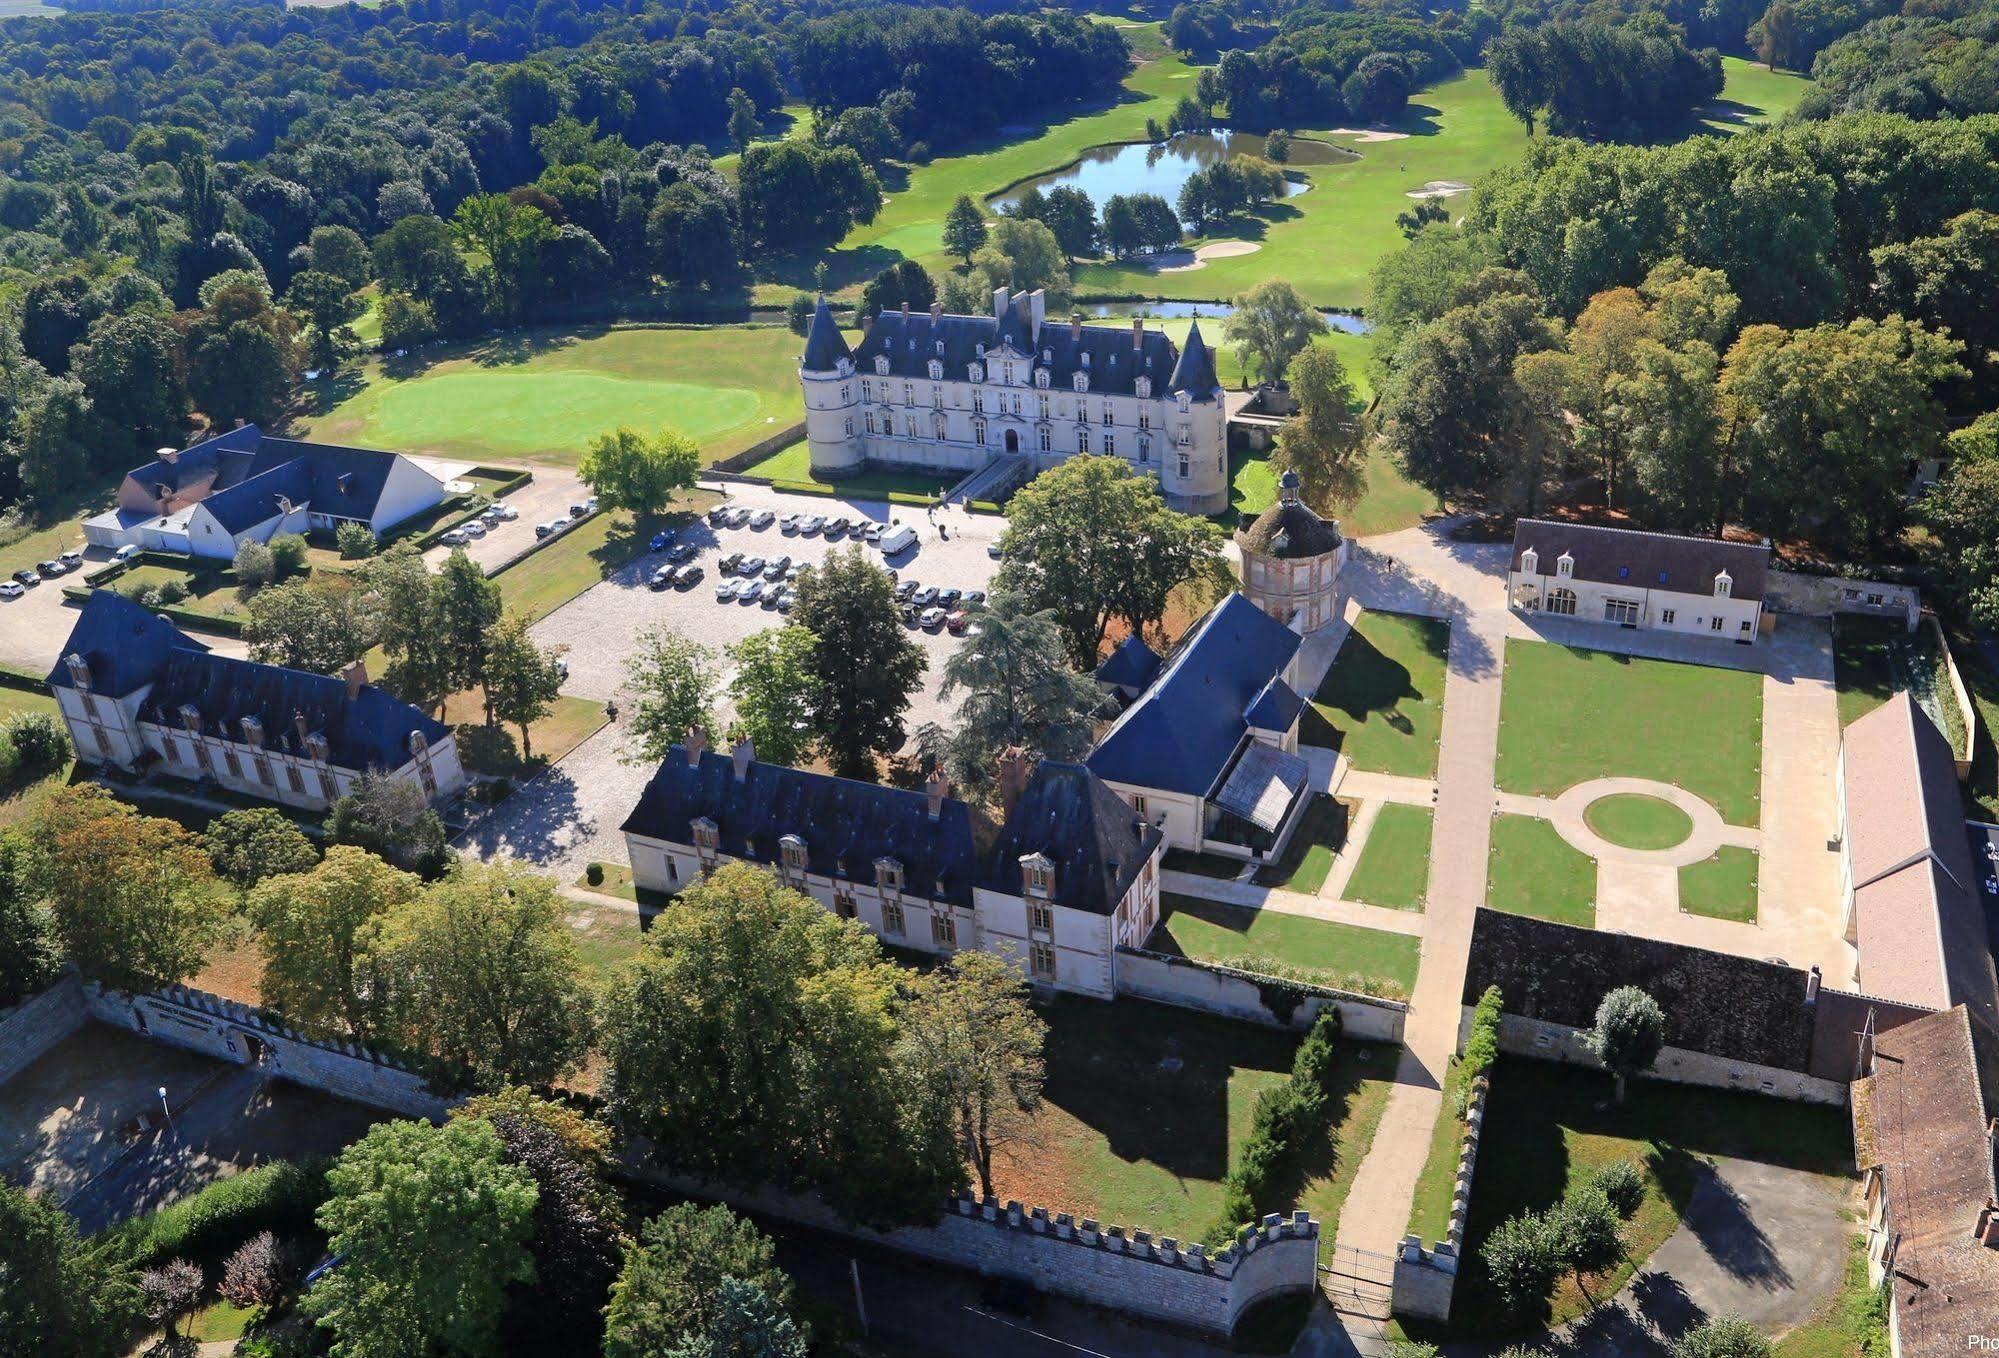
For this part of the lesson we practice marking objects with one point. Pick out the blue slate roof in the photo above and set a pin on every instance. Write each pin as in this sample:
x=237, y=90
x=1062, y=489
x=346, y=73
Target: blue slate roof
x=123, y=645
x=1092, y=836
x=249, y=503
x=1115, y=365
x=1181, y=733
x=1131, y=665
x=1275, y=708
x=846, y=825
x=226, y=458
x=346, y=482
x=371, y=730
x=1195, y=372
x=825, y=346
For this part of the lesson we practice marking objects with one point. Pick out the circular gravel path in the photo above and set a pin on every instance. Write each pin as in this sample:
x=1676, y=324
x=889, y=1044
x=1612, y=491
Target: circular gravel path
x=1570, y=814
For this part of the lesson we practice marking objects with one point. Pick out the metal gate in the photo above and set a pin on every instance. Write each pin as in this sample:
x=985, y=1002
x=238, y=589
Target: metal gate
x=1359, y=1283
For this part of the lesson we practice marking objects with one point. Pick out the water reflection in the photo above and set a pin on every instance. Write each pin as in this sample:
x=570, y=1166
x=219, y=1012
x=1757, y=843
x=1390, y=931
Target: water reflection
x=1164, y=167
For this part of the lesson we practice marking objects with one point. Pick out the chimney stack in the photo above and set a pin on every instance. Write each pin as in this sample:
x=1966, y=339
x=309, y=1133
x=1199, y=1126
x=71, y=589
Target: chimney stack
x=1137, y=332
x=867, y=324
x=905, y=309
x=1812, y=987
x=1014, y=766
x=938, y=788
x=936, y=312
x=999, y=302
x=299, y=724
x=356, y=676
x=169, y=455
x=694, y=741
x=745, y=754
x=1076, y=325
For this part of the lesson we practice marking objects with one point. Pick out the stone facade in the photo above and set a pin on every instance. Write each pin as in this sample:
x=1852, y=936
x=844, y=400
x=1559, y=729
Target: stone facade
x=1627, y=578
x=1188, y=984
x=1291, y=561
x=38, y=1023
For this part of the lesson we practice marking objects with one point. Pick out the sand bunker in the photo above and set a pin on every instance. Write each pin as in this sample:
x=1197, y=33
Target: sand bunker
x=1183, y=261
x=1440, y=188
x=1364, y=135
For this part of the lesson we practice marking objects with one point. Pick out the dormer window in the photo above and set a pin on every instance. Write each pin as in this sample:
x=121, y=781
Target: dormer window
x=1530, y=562
x=316, y=747
x=940, y=346
x=1186, y=403
x=1047, y=355
x=1037, y=876
x=1565, y=565
x=888, y=875
x=976, y=372
x=1041, y=377
x=936, y=370
x=1144, y=388
x=1723, y=583
x=979, y=349
x=881, y=364
x=705, y=836
x=791, y=853
x=1082, y=381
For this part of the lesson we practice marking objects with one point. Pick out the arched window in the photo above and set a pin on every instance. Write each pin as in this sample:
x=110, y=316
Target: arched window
x=1082, y=381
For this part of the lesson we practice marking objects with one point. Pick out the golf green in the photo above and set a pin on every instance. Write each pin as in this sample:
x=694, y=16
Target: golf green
x=1633, y=820
x=520, y=413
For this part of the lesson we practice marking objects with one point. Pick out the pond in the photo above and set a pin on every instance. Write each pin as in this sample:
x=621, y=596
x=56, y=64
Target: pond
x=1103, y=172
x=1343, y=321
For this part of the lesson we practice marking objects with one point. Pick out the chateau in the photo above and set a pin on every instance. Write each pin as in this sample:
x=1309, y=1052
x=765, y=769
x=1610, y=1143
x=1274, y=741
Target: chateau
x=952, y=394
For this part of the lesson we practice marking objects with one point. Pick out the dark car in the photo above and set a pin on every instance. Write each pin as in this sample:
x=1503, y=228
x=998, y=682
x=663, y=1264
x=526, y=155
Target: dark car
x=904, y=590
x=661, y=578
x=680, y=551
x=777, y=567
x=689, y=575
x=909, y=615
x=727, y=565
x=948, y=598
x=975, y=598
x=661, y=540
x=718, y=516
x=28, y=577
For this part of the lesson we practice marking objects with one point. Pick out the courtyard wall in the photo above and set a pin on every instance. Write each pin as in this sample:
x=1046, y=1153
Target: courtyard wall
x=1235, y=994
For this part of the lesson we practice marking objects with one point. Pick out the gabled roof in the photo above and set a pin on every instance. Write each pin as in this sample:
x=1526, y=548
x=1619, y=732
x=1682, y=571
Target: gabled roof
x=1114, y=364
x=122, y=643
x=1917, y=913
x=846, y=825
x=224, y=458
x=368, y=731
x=1092, y=836
x=249, y=503
x=825, y=346
x=1182, y=733
x=1641, y=560
x=1131, y=665
x=346, y=482
x=1276, y=707
x=1195, y=372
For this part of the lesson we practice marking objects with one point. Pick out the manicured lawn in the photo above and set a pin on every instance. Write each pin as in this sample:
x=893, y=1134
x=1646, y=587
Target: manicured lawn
x=544, y=394
x=1391, y=502
x=1636, y=821
x=617, y=881
x=1568, y=715
x=17, y=792
x=605, y=937
x=1382, y=702
x=13, y=700
x=1145, y=1104
x=1549, y=1126
x=1875, y=658
x=795, y=464
x=210, y=592
x=1752, y=94
x=495, y=751
x=1721, y=887
x=1293, y=946
x=1394, y=867
x=1534, y=871
x=1437, y=1185
x=1309, y=856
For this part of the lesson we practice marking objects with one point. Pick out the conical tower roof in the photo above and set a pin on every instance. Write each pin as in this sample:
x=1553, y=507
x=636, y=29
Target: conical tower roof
x=1195, y=372
x=825, y=346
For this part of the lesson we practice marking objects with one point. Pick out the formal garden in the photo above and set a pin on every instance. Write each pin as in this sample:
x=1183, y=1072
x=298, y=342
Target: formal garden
x=1272, y=942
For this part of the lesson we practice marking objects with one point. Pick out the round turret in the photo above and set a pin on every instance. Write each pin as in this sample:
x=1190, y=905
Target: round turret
x=1291, y=560
x=832, y=406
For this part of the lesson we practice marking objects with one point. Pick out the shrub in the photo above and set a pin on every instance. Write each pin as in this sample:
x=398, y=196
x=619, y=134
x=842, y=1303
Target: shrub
x=1587, y=1231
x=256, y=567
x=1728, y=1337
x=257, y=1273
x=170, y=1291
x=281, y=1197
x=1285, y=1118
x=172, y=592
x=594, y=874
x=39, y=741
x=1522, y=1257
x=355, y=541
x=1621, y=1185
x=288, y=555
x=798, y=313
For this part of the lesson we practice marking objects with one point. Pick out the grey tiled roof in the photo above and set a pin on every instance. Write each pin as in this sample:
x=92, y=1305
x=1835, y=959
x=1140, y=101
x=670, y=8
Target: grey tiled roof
x=825, y=346
x=1113, y=362
x=1627, y=556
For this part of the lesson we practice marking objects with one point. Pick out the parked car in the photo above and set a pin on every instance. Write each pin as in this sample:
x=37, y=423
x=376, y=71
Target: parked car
x=896, y=540
x=872, y=530
x=956, y=621
x=10, y=590
x=727, y=565
x=948, y=598
x=933, y=618
x=690, y=574
x=473, y=528
x=752, y=566
x=777, y=567
x=50, y=569
x=28, y=578
x=763, y=519
x=924, y=597
x=579, y=509
x=975, y=598
x=773, y=596
x=739, y=517
x=458, y=537
x=909, y=615
x=751, y=591
x=661, y=540
x=993, y=549
x=544, y=529
x=491, y=514
x=811, y=524
x=127, y=552
x=661, y=578
x=787, y=601
x=680, y=551
x=904, y=590
x=506, y=513
x=836, y=527
x=73, y=560
x=718, y=516
x=726, y=591
x=789, y=523
x=798, y=572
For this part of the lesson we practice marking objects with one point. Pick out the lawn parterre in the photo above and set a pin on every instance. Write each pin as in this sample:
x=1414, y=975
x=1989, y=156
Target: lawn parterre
x=1309, y=856
x=542, y=395
x=1569, y=715
x=794, y=465
x=1534, y=871
x=1721, y=887
x=1295, y=946
x=1394, y=867
x=1636, y=821
x=1382, y=702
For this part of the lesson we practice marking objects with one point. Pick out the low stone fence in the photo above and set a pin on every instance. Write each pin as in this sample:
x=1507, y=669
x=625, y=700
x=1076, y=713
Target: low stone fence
x=1547, y=1041
x=38, y=1023
x=1212, y=989
x=1127, y=1270
x=1822, y=596
x=758, y=451
x=1427, y=1277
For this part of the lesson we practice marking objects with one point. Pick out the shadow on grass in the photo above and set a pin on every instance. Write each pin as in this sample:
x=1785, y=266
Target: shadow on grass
x=1365, y=683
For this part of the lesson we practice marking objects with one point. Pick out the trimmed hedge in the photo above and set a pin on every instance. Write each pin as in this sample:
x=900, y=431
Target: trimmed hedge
x=283, y=1198
x=1284, y=1123
x=1481, y=1050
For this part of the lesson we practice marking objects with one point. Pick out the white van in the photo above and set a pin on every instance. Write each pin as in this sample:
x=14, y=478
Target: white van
x=897, y=540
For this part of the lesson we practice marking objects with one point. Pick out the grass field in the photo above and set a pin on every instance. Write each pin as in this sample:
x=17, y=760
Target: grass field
x=1752, y=94
x=543, y=395
x=1394, y=867
x=1548, y=1127
x=795, y=464
x=1293, y=946
x=495, y=751
x=1721, y=887
x=16, y=792
x=1309, y=856
x=1144, y=1106
x=1391, y=502
x=1534, y=871
x=1636, y=821
x=1568, y=715
x=1382, y=702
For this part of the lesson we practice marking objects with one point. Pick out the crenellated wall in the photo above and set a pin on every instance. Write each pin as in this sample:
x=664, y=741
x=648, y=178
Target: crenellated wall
x=1426, y=1277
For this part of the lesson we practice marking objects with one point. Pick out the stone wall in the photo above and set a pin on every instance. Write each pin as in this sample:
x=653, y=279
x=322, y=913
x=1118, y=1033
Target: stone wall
x=1427, y=1277
x=1822, y=596
x=1548, y=1041
x=1124, y=1269
x=32, y=1027
x=1260, y=999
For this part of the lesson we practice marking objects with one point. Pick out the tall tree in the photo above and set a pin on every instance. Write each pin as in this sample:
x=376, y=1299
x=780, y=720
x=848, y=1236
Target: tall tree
x=869, y=668
x=1630, y=1031
x=28, y=956
x=630, y=471
x=317, y=625
x=319, y=932
x=673, y=681
x=1091, y=540
x=742, y=119
x=129, y=365
x=775, y=690
x=671, y=1282
x=254, y=843
x=486, y=974
x=1018, y=691
x=964, y=228
x=524, y=679
x=973, y=1027
x=63, y=1298
x=747, y=1324
x=1270, y=325
x=1325, y=442
x=468, y=605
x=422, y=666
x=430, y=1225
x=328, y=304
